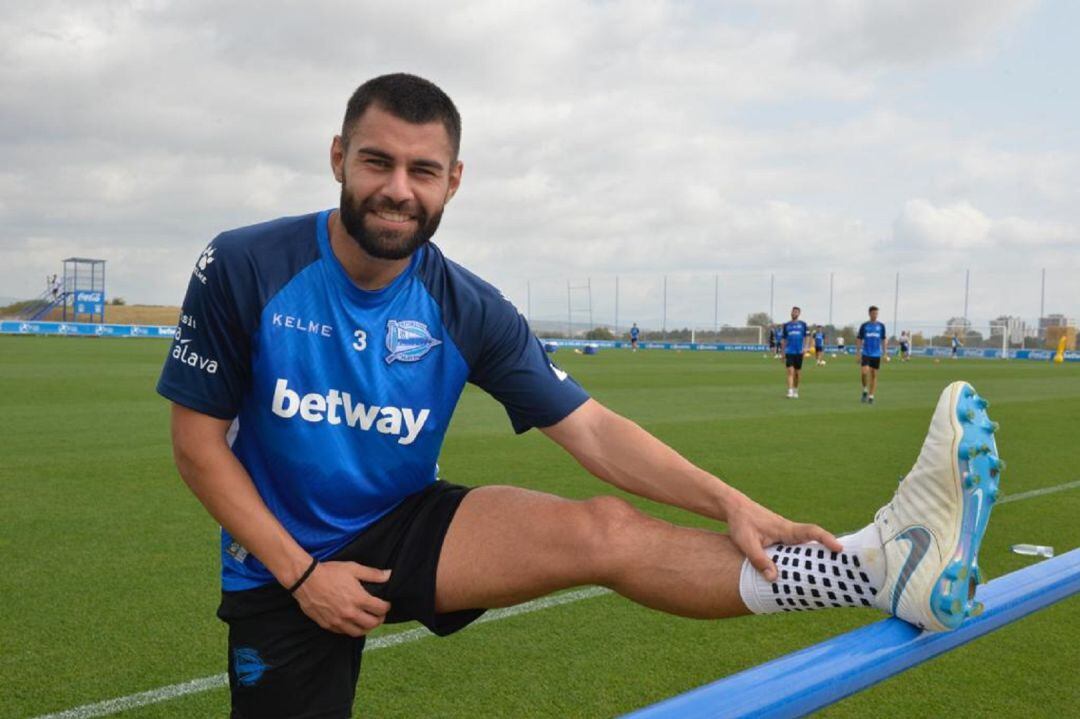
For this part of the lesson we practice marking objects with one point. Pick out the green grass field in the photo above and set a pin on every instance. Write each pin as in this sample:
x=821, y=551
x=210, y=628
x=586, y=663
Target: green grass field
x=109, y=576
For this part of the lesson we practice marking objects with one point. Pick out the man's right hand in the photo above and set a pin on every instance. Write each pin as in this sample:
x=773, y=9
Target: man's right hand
x=335, y=600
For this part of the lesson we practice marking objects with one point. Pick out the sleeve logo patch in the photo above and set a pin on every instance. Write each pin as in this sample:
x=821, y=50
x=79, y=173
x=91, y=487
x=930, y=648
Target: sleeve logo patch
x=183, y=353
x=558, y=372
x=204, y=261
x=408, y=341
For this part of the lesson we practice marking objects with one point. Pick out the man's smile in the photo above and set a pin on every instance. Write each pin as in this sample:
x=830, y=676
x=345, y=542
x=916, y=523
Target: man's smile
x=392, y=217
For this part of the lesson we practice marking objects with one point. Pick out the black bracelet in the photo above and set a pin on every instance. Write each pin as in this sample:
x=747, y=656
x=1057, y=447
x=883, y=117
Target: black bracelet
x=305, y=575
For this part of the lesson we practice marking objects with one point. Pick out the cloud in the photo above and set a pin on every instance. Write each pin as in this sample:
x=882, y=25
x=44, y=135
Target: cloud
x=889, y=33
x=961, y=227
x=955, y=227
x=599, y=138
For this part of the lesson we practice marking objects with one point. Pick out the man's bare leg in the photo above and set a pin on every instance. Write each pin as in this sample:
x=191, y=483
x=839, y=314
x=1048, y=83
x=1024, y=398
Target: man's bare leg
x=507, y=545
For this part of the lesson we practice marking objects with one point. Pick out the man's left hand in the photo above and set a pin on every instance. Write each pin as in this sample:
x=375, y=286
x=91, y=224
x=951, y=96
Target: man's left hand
x=753, y=527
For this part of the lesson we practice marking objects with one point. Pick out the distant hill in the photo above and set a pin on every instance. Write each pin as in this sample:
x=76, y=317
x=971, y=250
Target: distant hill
x=141, y=314
x=122, y=314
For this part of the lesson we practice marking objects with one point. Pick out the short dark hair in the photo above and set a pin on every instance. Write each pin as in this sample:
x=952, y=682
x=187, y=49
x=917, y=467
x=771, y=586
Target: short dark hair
x=408, y=97
x=796, y=307
x=873, y=308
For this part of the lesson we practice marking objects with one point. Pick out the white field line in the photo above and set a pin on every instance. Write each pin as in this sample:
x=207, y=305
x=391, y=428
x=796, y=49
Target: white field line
x=1039, y=492
x=195, y=686
x=217, y=681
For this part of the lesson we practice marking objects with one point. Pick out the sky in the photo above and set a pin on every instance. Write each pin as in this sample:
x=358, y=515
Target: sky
x=744, y=151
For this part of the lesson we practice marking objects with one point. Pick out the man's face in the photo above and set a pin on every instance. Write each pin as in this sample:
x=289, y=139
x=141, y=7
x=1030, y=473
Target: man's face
x=395, y=177
x=795, y=313
x=873, y=315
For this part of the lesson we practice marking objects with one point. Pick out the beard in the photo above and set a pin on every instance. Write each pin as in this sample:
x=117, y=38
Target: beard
x=385, y=244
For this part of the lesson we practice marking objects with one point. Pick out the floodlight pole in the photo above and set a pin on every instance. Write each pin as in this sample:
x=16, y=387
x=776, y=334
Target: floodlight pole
x=663, y=321
x=569, y=313
x=830, y=296
x=588, y=286
x=896, y=307
x=1042, y=296
x=772, y=294
x=967, y=288
x=616, y=328
x=716, y=304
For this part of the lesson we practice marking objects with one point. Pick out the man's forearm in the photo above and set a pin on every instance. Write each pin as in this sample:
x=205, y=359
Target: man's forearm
x=224, y=487
x=623, y=454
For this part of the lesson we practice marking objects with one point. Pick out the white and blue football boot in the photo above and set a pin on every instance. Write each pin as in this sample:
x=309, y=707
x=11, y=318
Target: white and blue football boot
x=932, y=528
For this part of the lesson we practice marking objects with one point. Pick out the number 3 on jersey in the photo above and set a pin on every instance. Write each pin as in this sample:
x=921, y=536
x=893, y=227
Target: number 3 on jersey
x=359, y=340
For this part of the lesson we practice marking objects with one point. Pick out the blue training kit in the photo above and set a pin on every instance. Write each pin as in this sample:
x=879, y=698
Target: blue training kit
x=794, y=333
x=873, y=336
x=340, y=396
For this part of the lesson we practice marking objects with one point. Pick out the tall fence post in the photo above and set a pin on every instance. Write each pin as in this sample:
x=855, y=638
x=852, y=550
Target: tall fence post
x=896, y=307
x=615, y=329
x=716, y=304
x=663, y=321
x=772, y=295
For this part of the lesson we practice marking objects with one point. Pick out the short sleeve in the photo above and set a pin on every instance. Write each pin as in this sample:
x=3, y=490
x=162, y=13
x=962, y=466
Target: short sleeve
x=862, y=331
x=504, y=358
x=208, y=365
x=513, y=367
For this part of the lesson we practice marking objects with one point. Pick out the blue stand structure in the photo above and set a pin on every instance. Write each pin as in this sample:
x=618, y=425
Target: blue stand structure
x=84, y=289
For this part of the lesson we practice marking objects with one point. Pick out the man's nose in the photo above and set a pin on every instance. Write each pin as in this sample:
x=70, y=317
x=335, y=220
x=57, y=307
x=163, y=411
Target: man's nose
x=397, y=186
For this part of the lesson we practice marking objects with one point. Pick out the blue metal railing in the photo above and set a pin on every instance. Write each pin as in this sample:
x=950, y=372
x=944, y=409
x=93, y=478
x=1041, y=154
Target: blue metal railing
x=42, y=305
x=802, y=682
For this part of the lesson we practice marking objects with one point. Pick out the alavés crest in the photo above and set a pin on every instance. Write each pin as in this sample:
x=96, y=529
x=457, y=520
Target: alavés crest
x=408, y=340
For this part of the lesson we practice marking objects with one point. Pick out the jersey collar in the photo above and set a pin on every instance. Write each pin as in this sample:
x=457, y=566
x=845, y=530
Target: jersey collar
x=338, y=275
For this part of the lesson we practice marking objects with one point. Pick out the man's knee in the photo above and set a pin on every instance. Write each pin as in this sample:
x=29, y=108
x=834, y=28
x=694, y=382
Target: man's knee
x=613, y=526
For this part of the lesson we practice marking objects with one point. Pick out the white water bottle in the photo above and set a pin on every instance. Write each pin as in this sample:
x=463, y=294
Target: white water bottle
x=1033, y=550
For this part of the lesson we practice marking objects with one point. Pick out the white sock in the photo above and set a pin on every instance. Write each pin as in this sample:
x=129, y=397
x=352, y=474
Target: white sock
x=813, y=577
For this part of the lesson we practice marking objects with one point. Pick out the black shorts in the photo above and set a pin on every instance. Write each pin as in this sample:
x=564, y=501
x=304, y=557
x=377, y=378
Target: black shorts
x=793, y=361
x=282, y=664
x=872, y=362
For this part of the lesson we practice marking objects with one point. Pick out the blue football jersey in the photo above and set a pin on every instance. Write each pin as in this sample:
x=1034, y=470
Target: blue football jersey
x=819, y=339
x=341, y=397
x=873, y=336
x=634, y=331
x=794, y=333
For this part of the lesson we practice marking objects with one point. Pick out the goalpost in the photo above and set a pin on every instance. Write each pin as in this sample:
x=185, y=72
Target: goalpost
x=729, y=334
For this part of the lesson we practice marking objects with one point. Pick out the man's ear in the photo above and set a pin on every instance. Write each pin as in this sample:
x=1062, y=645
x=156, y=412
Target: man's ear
x=455, y=179
x=337, y=158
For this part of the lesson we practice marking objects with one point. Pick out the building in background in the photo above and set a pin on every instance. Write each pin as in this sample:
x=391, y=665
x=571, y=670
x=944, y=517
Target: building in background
x=1054, y=320
x=1014, y=328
